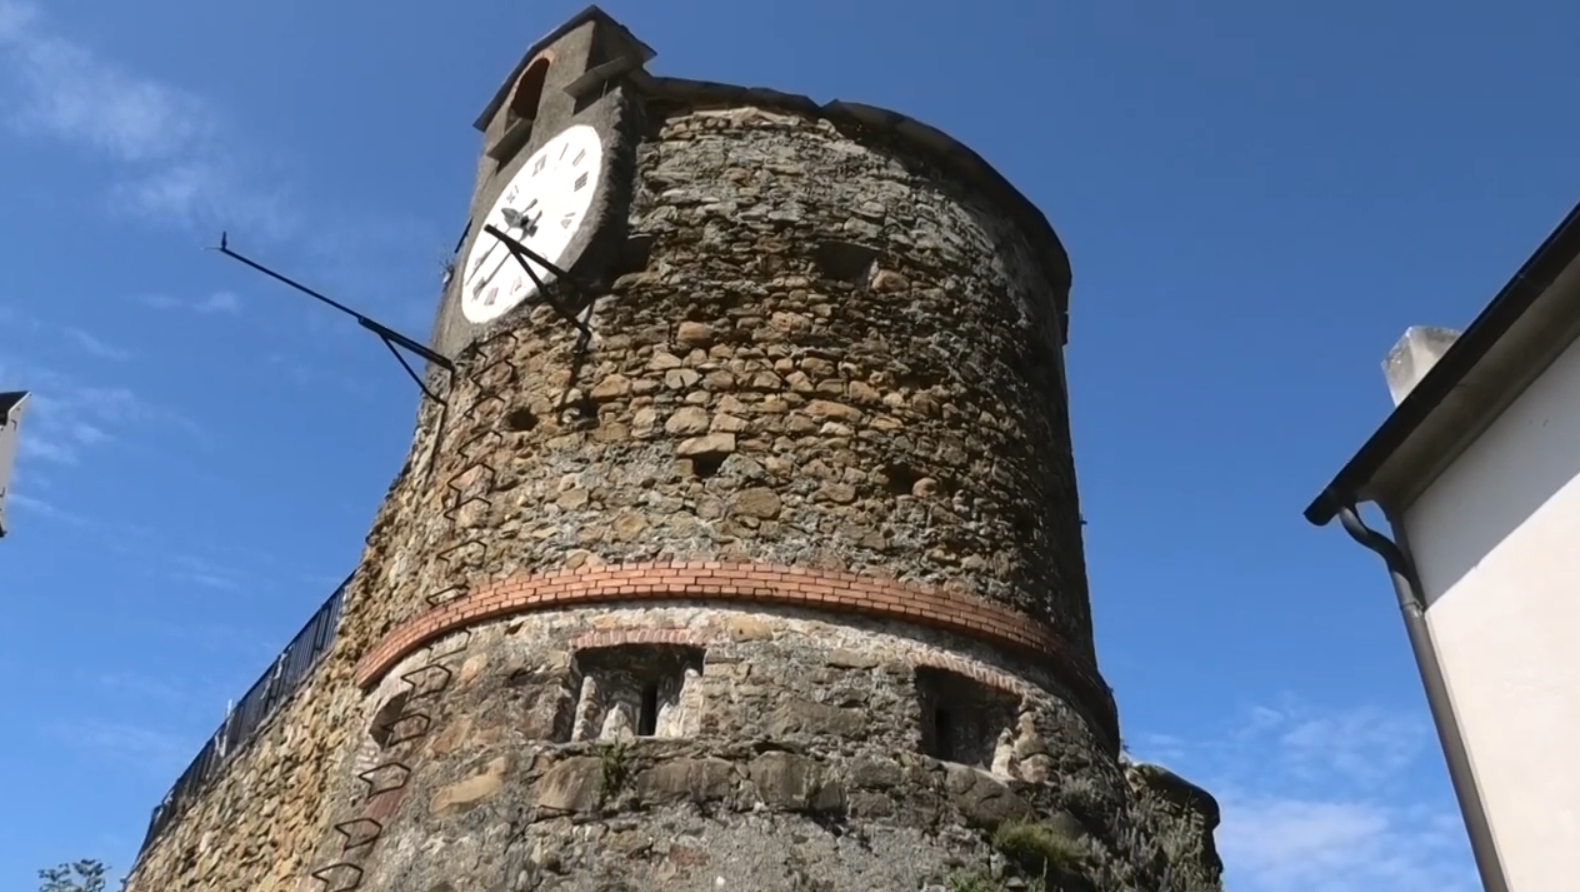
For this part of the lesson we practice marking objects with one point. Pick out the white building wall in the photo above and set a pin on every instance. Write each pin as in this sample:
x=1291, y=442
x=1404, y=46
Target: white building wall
x=1496, y=540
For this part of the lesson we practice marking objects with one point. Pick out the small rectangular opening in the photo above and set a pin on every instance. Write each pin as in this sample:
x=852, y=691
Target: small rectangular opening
x=962, y=719
x=647, y=717
x=638, y=690
x=943, y=734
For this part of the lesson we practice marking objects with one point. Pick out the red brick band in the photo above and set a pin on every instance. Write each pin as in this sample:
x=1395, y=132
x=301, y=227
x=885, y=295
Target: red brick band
x=748, y=584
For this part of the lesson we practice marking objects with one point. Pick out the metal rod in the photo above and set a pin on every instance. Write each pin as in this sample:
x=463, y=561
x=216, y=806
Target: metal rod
x=416, y=378
x=391, y=336
x=522, y=254
x=518, y=250
x=1407, y=587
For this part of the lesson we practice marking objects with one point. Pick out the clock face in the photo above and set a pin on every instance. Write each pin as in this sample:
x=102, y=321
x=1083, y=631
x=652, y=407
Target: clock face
x=542, y=208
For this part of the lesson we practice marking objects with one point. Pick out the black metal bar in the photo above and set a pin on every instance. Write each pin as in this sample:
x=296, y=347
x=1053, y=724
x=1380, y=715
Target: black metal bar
x=417, y=379
x=374, y=789
x=322, y=875
x=353, y=842
x=523, y=254
x=389, y=336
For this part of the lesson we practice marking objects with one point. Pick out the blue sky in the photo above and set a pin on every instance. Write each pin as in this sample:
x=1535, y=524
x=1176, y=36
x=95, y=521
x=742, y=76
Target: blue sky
x=1257, y=199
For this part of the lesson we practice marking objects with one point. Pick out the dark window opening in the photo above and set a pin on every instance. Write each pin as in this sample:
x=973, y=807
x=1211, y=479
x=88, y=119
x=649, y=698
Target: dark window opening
x=529, y=92
x=638, y=690
x=647, y=717
x=943, y=734
x=963, y=720
x=844, y=261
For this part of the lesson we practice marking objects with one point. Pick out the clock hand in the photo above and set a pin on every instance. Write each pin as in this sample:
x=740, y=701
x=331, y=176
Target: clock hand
x=498, y=254
x=518, y=219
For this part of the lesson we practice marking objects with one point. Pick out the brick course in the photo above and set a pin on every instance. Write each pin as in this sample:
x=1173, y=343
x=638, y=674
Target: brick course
x=742, y=583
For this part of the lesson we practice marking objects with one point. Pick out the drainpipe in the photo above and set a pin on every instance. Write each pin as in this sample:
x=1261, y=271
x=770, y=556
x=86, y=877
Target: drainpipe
x=1408, y=589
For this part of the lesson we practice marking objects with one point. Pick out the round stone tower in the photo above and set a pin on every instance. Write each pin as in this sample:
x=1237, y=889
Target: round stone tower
x=744, y=550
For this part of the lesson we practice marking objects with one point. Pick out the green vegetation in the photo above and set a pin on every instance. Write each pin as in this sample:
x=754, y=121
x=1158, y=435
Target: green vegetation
x=83, y=876
x=1044, y=854
x=616, y=764
x=970, y=882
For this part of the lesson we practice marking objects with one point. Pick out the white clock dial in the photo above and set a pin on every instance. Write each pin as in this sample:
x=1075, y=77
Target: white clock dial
x=543, y=207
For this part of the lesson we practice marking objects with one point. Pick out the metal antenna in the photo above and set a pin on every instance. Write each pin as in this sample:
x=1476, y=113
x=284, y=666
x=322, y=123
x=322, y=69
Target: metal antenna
x=391, y=338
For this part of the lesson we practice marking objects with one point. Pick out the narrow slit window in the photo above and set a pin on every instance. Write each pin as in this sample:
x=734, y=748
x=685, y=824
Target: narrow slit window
x=647, y=719
x=943, y=734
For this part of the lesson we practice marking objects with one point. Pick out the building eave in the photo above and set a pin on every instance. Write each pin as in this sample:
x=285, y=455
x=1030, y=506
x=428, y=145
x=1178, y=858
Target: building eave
x=1514, y=338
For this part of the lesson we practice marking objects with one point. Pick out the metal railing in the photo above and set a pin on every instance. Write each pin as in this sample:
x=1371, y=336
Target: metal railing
x=242, y=722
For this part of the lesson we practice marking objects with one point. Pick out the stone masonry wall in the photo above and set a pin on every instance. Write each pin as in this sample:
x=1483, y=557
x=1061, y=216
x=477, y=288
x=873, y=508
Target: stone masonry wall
x=793, y=764
x=830, y=359
x=257, y=825
x=740, y=401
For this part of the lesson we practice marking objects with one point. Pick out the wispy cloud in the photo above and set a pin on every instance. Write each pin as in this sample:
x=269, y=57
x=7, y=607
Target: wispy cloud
x=216, y=638
x=43, y=508
x=189, y=699
x=67, y=417
x=218, y=302
x=177, y=160
x=1326, y=800
x=204, y=572
x=157, y=753
x=93, y=346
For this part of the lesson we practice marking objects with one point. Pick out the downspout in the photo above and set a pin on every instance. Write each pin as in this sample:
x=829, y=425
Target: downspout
x=1407, y=587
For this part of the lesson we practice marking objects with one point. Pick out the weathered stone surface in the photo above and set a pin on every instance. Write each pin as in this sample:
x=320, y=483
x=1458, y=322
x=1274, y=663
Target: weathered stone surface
x=739, y=400
x=465, y=793
x=694, y=780
x=576, y=784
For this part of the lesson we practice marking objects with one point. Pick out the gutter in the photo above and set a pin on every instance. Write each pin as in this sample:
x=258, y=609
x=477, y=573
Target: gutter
x=1407, y=586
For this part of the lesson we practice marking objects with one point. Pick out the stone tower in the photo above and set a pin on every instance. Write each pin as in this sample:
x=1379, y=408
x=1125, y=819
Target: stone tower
x=745, y=555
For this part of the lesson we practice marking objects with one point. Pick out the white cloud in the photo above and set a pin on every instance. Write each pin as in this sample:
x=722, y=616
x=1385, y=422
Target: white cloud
x=93, y=346
x=204, y=572
x=225, y=302
x=66, y=417
x=1342, y=844
x=177, y=163
x=151, y=691
x=177, y=158
x=42, y=508
x=1366, y=745
x=1347, y=800
x=219, y=302
x=158, y=753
